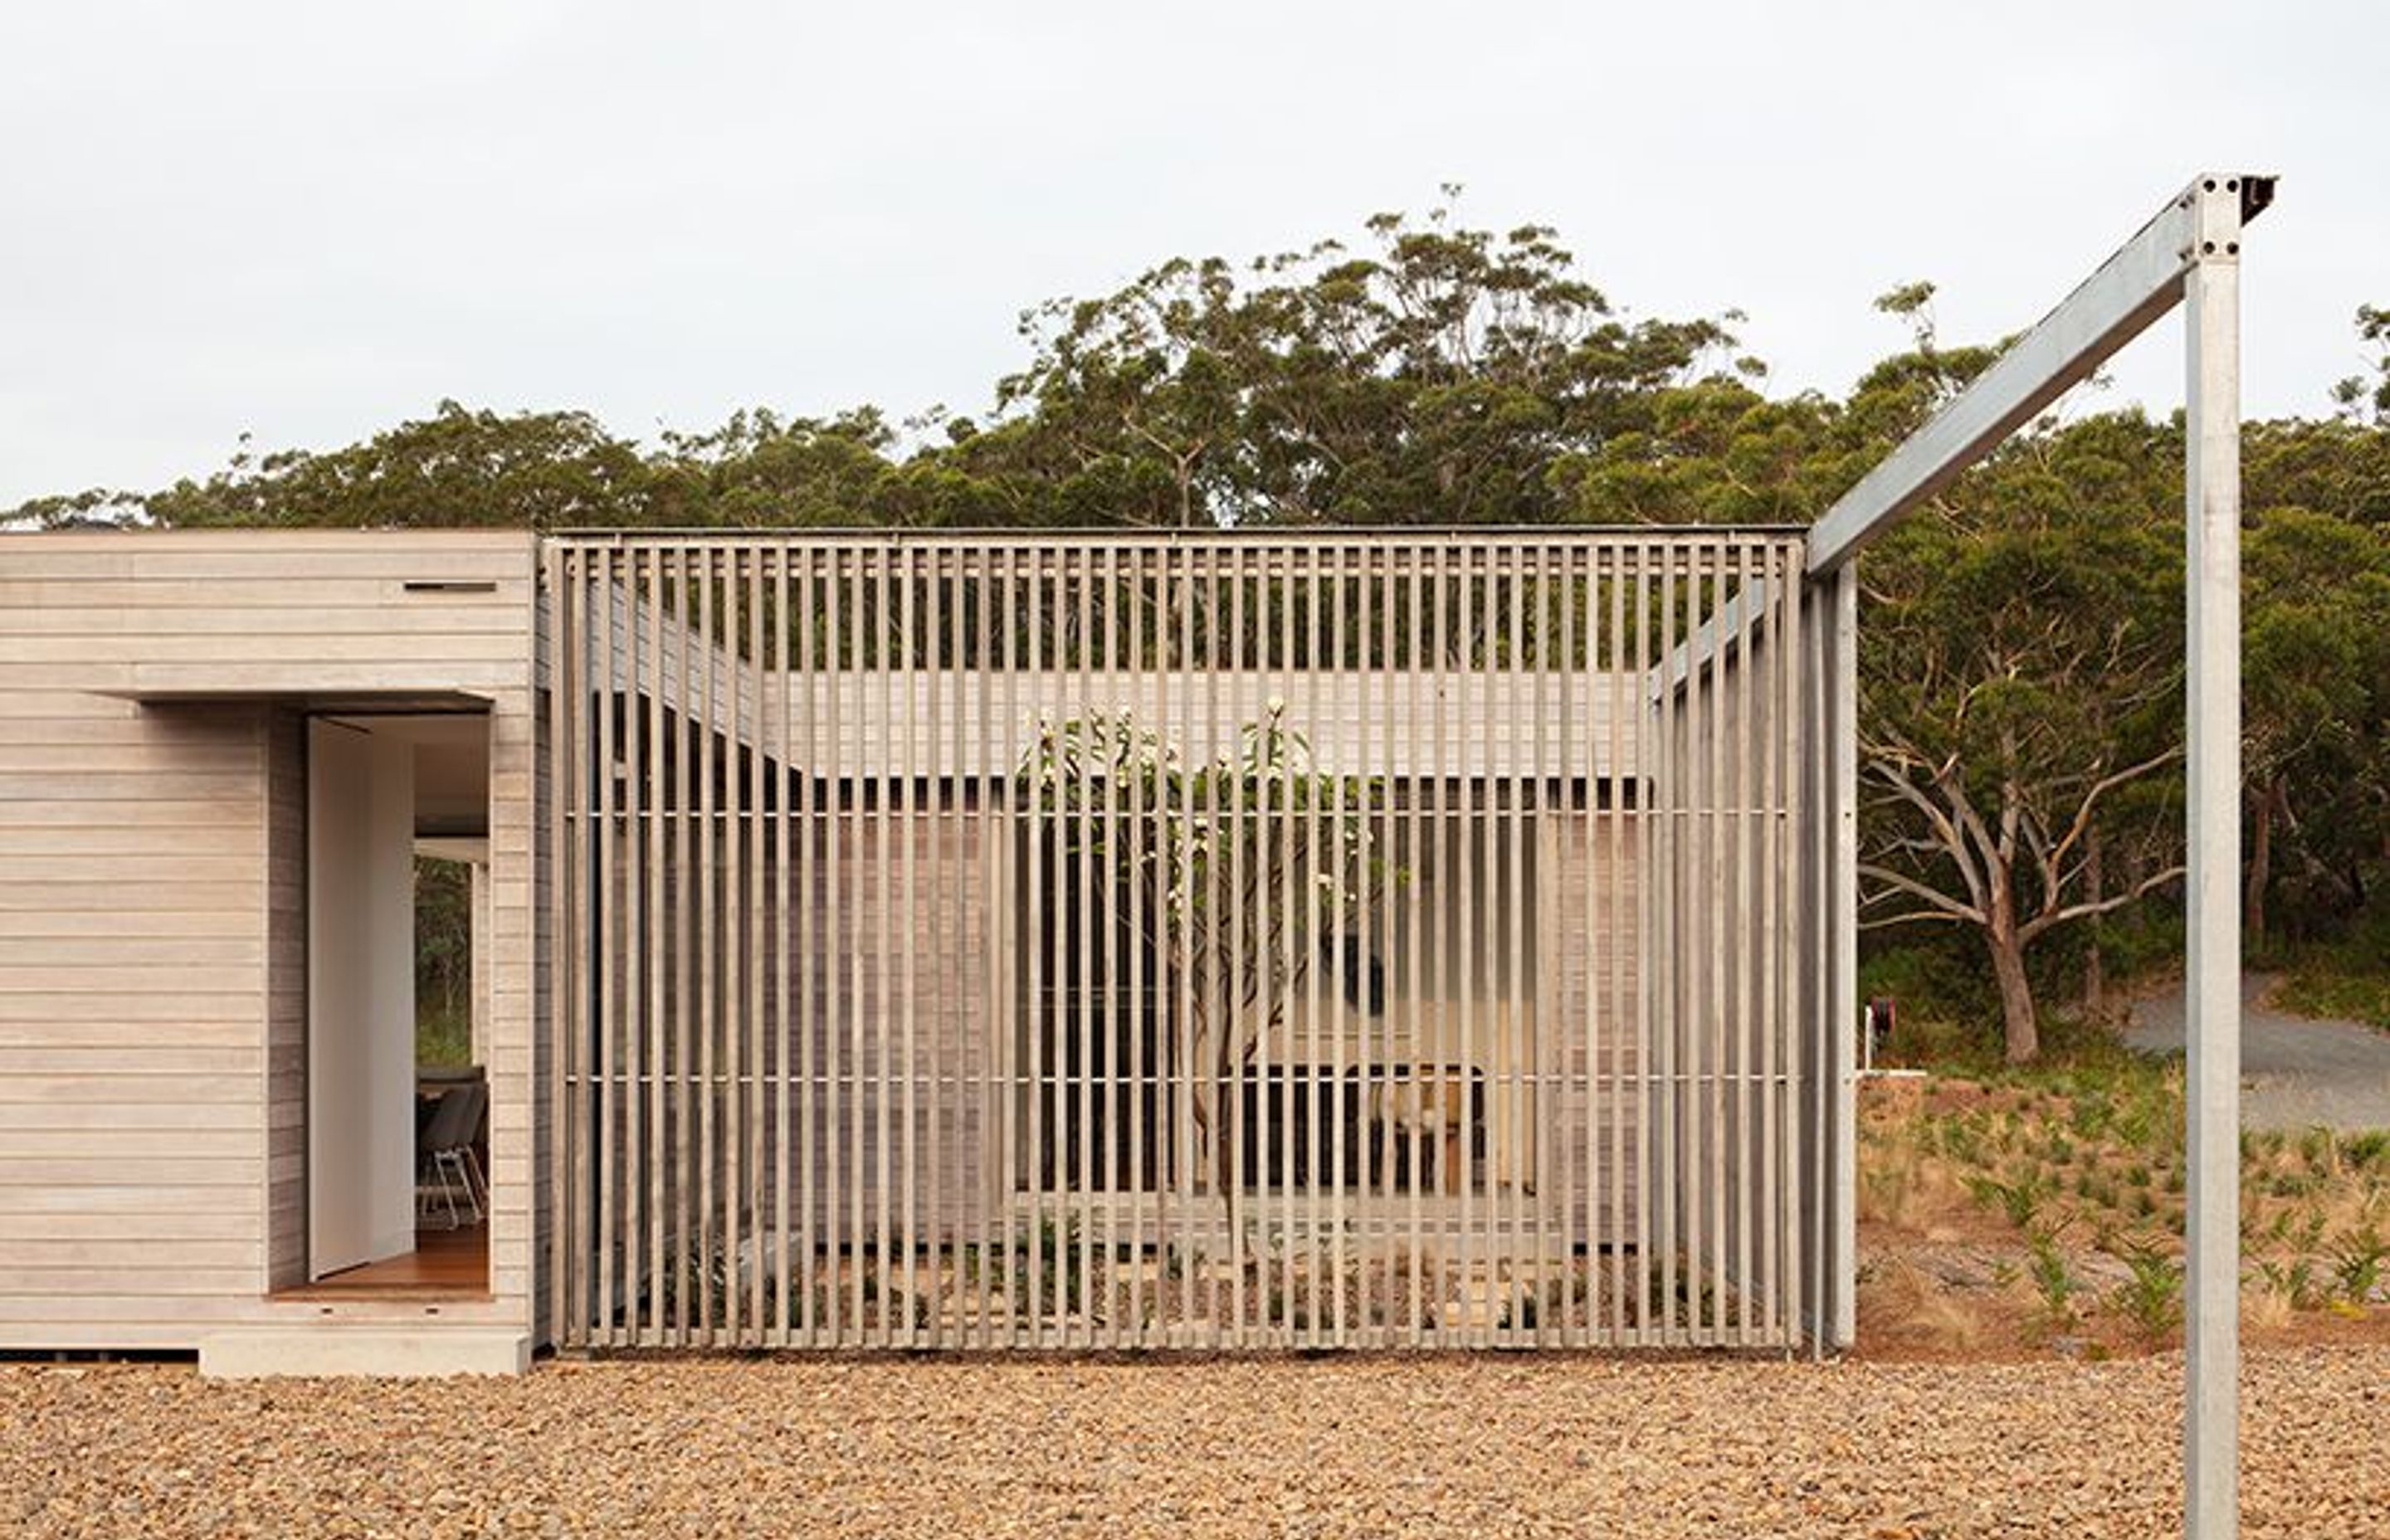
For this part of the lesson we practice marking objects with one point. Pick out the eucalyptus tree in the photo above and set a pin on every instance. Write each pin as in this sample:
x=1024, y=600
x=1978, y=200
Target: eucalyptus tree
x=2317, y=709
x=2020, y=674
x=2020, y=709
x=1435, y=376
x=458, y=468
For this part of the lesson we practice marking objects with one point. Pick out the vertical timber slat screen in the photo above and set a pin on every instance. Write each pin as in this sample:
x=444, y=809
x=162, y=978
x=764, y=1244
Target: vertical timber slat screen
x=1223, y=941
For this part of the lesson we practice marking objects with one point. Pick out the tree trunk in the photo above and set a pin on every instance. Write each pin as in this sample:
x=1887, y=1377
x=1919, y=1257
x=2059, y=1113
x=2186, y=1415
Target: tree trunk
x=2020, y=1032
x=2261, y=861
x=2095, y=887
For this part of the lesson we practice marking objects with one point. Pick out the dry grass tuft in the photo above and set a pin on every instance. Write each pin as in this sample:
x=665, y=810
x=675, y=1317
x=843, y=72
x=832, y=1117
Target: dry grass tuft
x=1924, y=1315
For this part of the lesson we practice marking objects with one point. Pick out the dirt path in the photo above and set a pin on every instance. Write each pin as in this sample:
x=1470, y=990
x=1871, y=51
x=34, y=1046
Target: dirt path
x=2296, y=1071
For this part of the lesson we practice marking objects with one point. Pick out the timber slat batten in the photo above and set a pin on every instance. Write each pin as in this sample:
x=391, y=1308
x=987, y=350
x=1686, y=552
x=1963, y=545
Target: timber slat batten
x=940, y=974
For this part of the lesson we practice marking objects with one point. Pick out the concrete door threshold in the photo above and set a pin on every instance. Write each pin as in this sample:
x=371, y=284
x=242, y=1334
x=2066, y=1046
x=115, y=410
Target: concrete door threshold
x=384, y=1353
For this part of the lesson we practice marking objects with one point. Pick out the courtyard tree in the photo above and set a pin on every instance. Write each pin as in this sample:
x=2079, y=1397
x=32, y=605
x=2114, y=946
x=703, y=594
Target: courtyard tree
x=1238, y=873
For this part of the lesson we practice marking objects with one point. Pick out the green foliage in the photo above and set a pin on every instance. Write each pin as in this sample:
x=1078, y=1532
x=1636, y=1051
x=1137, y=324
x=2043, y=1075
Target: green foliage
x=2342, y=983
x=2358, y=1258
x=2316, y=736
x=2019, y=1201
x=1438, y=374
x=444, y=937
x=2020, y=706
x=2348, y=979
x=443, y=1038
x=2367, y=1151
x=2151, y=1296
x=2292, y=1277
x=1059, y=1268
x=443, y=962
x=458, y=467
x=2053, y=1277
x=2139, y=942
x=2358, y=396
x=2019, y=681
x=2021, y=653
x=2087, y=1144
x=1937, y=987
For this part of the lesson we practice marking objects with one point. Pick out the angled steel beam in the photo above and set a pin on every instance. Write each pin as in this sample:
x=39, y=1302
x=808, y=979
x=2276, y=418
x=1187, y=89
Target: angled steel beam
x=2141, y=282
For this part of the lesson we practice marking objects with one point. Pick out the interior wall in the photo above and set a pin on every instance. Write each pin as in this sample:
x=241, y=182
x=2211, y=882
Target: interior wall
x=361, y=995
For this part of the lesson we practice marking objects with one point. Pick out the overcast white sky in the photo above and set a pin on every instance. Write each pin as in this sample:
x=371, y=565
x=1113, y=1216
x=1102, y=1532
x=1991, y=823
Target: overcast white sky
x=308, y=220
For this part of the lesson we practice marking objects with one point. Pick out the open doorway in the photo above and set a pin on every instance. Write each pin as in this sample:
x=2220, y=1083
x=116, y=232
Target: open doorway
x=397, y=1107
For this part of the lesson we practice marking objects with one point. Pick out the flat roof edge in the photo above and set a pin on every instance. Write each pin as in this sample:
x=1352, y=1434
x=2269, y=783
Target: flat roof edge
x=1025, y=535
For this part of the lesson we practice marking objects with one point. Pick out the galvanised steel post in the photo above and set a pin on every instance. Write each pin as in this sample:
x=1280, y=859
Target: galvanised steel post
x=2212, y=659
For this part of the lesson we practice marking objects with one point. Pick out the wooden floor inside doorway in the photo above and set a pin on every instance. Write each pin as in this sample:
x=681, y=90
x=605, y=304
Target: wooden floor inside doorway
x=445, y=1263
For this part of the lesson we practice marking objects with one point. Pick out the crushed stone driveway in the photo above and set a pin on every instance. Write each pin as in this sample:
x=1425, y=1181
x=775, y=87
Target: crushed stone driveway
x=1467, y=1446
x=2296, y=1071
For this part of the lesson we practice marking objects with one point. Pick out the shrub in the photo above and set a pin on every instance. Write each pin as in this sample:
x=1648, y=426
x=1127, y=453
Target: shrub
x=2151, y=1296
x=2358, y=1258
x=1950, y=1013
x=2019, y=1202
x=2293, y=1279
x=2053, y=1281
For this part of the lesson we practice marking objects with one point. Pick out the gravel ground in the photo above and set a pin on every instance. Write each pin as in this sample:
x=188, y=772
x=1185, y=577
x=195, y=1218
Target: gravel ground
x=1473, y=1445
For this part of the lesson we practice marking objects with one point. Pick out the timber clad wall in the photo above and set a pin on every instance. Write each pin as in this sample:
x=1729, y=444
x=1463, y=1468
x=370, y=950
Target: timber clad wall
x=1599, y=979
x=152, y=903
x=954, y=1016
x=285, y=1021
x=133, y=963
